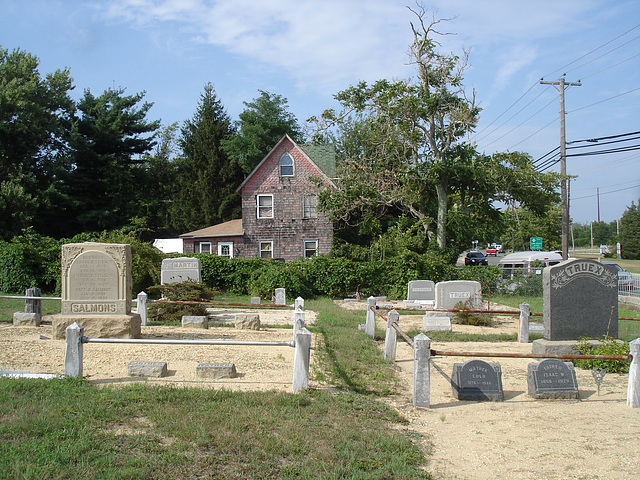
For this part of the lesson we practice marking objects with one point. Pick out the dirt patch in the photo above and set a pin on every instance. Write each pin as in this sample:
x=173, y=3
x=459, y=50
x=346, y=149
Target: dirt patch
x=31, y=349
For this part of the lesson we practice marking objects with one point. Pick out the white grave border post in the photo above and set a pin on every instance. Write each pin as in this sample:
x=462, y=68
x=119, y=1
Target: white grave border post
x=391, y=336
x=301, y=359
x=142, y=307
x=421, y=370
x=525, y=313
x=633, y=387
x=73, y=350
x=370, y=324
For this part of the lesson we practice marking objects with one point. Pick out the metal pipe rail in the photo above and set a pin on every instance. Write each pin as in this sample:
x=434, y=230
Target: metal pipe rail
x=532, y=355
x=158, y=341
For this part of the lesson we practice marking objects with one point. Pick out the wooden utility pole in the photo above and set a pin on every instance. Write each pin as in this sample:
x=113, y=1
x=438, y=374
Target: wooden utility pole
x=564, y=198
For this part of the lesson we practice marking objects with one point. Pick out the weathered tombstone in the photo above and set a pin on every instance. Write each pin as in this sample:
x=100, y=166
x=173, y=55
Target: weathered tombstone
x=33, y=305
x=280, y=296
x=255, y=300
x=436, y=324
x=26, y=319
x=138, y=368
x=580, y=300
x=195, y=321
x=449, y=294
x=552, y=378
x=477, y=380
x=216, y=370
x=181, y=269
x=420, y=293
x=247, y=321
x=96, y=291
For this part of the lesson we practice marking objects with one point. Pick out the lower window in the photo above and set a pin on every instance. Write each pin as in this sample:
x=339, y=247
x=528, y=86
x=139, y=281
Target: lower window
x=266, y=249
x=225, y=249
x=310, y=248
x=205, y=247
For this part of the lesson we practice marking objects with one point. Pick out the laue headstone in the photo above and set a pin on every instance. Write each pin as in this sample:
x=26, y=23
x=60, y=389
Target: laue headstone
x=580, y=300
x=449, y=294
x=281, y=296
x=96, y=291
x=181, y=269
x=420, y=293
x=552, y=378
x=477, y=380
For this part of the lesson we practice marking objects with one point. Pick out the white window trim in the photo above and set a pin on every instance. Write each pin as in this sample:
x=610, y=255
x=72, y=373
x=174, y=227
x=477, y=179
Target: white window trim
x=293, y=165
x=229, y=244
x=204, y=243
x=304, y=248
x=258, y=204
x=260, y=243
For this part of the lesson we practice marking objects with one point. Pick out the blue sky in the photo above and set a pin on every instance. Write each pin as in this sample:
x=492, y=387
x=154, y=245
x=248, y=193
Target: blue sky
x=308, y=50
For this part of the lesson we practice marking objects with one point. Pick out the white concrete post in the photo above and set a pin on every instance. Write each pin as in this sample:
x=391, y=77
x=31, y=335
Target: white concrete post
x=421, y=370
x=298, y=322
x=370, y=325
x=142, y=307
x=301, y=358
x=633, y=387
x=73, y=350
x=299, y=303
x=525, y=312
x=391, y=336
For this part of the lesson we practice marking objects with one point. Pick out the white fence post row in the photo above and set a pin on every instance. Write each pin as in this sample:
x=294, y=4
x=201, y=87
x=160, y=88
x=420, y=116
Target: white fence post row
x=370, y=324
x=73, y=350
x=391, y=336
x=421, y=370
x=633, y=387
x=142, y=307
x=525, y=312
x=301, y=358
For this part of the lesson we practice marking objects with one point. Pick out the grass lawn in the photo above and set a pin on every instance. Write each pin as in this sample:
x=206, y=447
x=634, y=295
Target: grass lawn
x=71, y=429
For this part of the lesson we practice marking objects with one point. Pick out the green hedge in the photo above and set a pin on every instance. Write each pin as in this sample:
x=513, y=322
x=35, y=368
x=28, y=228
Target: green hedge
x=31, y=260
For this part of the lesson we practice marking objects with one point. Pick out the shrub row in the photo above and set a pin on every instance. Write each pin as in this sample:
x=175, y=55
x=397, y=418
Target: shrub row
x=31, y=260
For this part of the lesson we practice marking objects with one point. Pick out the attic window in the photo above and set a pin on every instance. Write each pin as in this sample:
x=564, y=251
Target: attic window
x=286, y=165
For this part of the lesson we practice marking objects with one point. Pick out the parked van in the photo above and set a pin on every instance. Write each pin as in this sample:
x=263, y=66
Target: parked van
x=520, y=262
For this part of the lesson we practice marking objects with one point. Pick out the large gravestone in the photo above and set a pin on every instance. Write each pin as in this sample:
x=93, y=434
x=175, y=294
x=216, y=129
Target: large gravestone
x=477, y=380
x=96, y=291
x=449, y=294
x=178, y=270
x=580, y=300
x=552, y=378
x=420, y=293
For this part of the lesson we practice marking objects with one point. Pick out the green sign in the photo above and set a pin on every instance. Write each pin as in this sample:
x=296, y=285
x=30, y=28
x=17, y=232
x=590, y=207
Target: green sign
x=536, y=243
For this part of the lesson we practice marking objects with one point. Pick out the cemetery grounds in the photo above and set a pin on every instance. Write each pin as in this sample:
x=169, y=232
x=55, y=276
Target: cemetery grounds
x=595, y=437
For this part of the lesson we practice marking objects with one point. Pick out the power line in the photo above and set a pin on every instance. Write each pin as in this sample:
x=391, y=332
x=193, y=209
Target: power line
x=600, y=56
x=609, y=67
x=606, y=193
x=605, y=100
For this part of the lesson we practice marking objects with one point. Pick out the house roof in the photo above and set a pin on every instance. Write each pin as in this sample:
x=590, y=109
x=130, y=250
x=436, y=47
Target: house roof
x=322, y=157
x=226, y=229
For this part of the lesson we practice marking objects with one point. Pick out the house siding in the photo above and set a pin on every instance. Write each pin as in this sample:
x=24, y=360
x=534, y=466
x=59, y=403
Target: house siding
x=287, y=229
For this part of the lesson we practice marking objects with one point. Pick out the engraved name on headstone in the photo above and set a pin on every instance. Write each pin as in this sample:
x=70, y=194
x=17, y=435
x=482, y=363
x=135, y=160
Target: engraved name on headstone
x=552, y=378
x=477, y=380
x=178, y=270
x=448, y=294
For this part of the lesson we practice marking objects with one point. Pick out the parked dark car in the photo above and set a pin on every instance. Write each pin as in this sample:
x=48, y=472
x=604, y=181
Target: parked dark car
x=475, y=258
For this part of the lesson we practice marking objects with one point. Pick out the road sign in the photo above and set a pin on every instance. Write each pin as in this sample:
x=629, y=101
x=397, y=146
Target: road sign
x=535, y=243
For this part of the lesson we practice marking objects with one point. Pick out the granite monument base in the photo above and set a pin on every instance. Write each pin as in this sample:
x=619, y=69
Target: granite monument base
x=96, y=326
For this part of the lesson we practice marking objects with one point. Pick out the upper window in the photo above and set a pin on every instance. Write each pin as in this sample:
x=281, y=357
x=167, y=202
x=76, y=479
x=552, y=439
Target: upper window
x=265, y=206
x=286, y=165
x=309, y=206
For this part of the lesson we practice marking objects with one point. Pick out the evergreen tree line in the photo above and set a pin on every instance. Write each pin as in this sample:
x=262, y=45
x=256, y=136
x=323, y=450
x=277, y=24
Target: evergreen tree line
x=100, y=163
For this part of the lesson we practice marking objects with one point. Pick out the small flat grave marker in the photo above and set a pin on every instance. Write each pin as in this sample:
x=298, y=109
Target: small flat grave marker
x=216, y=370
x=552, y=378
x=477, y=380
x=139, y=368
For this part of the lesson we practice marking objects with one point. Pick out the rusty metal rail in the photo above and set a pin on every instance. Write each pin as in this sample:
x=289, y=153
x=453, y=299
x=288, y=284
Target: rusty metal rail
x=531, y=355
x=254, y=305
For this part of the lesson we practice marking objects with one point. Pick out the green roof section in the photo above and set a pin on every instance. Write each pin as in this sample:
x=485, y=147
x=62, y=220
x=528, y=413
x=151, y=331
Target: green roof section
x=324, y=156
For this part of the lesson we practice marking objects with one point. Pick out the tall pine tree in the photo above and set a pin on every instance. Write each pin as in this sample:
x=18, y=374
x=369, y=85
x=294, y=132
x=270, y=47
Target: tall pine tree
x=262, y=124
x=630, y=232
x=207, y=178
